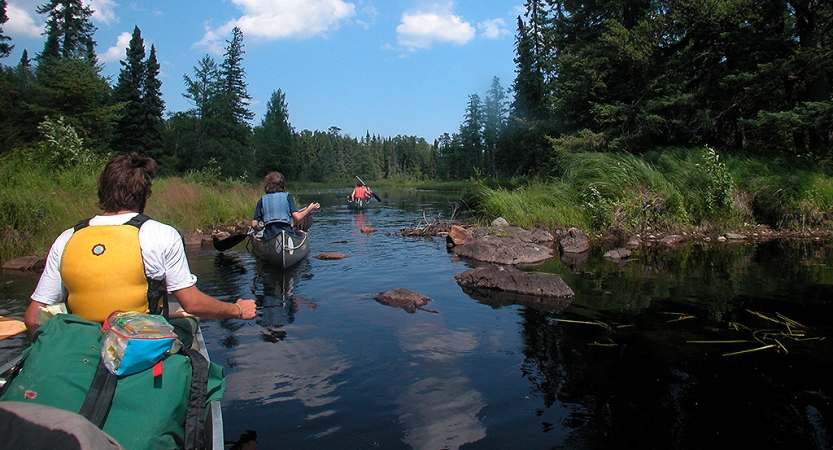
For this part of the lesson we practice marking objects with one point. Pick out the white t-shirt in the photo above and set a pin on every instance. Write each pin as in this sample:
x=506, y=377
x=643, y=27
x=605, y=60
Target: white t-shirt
x=162, y=252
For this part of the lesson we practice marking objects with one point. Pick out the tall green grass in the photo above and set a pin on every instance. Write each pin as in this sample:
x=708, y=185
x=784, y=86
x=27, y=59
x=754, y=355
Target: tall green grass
x=38, y=201
x=672, y=190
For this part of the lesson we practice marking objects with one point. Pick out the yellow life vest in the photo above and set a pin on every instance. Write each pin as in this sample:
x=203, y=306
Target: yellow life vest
x=103, y=271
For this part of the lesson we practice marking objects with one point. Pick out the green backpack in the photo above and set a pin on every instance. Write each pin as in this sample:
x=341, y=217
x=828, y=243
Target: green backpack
x=148, y=410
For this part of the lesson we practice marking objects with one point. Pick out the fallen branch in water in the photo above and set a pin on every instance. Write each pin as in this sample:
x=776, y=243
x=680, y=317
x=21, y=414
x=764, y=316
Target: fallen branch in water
x=430, y=227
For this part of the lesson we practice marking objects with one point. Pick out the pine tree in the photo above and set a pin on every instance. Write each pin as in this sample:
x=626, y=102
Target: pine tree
x=69, y=32
x=232, y=132
x=272, y=140
x=529, y=114
x=529, y=103
x=153, y=107
x=5, y=47
x=494, y=124
x=129, y=135
x=471, y=137
x=234, y=87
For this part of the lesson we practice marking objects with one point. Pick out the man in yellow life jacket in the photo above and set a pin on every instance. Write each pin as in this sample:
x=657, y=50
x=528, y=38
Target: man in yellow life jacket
x=121, y=259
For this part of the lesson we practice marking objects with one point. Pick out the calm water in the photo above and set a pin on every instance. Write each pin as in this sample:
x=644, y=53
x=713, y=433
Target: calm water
x=326, y=367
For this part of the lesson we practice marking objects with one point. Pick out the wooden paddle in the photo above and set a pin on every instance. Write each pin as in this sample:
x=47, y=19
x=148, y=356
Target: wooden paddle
x=227, y=243
x=374, y=194
x=10, y=327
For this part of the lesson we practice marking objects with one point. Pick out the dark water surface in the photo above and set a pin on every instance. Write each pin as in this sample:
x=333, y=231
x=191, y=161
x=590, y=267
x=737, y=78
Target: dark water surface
x=640, y=358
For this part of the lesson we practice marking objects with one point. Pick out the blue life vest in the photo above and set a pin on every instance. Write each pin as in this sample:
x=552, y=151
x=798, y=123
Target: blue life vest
x=276, y=208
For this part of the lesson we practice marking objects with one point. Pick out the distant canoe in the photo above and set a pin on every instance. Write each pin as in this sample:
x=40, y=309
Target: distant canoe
x=283, y=250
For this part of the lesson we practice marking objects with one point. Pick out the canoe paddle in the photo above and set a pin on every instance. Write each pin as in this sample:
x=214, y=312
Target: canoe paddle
x=10, y=326
x=227, y=243
x=374, y=194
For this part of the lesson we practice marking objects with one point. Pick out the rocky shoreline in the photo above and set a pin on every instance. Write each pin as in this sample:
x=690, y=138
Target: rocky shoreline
x=499, y=249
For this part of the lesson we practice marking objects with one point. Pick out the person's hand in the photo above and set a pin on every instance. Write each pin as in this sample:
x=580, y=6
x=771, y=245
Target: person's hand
x=314, y=205
x=248, y=309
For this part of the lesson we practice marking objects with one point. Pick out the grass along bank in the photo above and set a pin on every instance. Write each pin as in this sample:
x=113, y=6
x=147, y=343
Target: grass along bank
x=672, y=191
x=675, y=190
x=38, y=201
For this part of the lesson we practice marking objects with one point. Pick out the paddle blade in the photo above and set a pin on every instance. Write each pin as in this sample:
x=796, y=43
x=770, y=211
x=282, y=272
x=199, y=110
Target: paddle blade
x=227, y=243
x=10, y=327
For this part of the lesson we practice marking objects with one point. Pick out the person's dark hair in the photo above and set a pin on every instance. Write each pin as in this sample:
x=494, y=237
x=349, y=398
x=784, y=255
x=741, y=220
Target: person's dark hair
x=125, y=183
x=274, y=182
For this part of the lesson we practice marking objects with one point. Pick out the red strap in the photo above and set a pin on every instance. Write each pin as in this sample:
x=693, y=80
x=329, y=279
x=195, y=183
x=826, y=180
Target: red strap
x=157, y=369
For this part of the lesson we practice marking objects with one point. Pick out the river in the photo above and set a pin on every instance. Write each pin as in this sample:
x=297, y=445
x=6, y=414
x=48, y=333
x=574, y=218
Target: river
x=654, y=352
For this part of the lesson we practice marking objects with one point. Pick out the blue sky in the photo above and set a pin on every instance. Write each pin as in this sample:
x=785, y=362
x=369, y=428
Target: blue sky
x=389, y=67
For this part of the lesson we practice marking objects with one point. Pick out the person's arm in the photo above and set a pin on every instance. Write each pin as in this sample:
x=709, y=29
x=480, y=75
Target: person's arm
x=298, y=215
x=30, y=318
x=195, y=302
x=258, y=216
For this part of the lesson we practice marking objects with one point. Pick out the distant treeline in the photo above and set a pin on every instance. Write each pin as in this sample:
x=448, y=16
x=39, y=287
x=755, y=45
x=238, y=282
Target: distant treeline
x=738, y=76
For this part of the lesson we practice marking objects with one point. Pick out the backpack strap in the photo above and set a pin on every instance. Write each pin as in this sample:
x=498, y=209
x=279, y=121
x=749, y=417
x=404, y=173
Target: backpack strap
x=157, y=290
x=195, y=415
x=81, y=224
x=99, y=398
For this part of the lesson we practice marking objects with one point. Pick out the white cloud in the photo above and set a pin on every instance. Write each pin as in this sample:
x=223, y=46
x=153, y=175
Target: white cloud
x=24, y=22
x=21, y=22
x=279, y=19
x=118, y=51
x=420, y=30
x=493, y=28
x=102, y=11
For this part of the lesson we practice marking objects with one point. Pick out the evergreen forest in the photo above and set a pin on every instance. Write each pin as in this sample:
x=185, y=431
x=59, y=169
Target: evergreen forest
x=747, y=77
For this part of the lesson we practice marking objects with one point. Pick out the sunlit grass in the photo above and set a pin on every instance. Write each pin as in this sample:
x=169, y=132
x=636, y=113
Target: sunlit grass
x=192, y=207
x=548, y=205
x=672, y=190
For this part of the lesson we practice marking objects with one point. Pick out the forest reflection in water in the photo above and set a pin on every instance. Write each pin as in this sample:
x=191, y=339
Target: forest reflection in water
x=637, y=359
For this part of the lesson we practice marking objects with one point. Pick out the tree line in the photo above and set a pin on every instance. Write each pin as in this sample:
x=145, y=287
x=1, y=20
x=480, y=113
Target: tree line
x=745, y=77
x=58, y=104
x=622, y=76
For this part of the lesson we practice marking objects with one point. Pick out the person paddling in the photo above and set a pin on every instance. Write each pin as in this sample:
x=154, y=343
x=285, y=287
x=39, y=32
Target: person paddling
x=276, y=209
x=360, y=192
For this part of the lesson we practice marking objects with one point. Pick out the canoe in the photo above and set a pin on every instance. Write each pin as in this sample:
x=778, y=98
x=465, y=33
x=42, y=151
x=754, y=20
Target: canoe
x=214, y=414
x=283, y=250
x=358, y=204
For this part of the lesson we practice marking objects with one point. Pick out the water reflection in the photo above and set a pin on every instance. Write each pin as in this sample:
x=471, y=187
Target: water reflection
x=615, y=368
x=648, y=371
x=294, y=374
x=440, y=408
x=274, y=288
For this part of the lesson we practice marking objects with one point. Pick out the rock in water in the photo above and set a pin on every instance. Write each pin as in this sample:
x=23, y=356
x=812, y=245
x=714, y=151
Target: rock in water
x=406, y=299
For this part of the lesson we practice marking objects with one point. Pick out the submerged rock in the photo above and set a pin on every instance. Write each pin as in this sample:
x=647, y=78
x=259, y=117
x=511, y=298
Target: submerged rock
x=330, y=256
x=406, y=299
x=619, y=253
